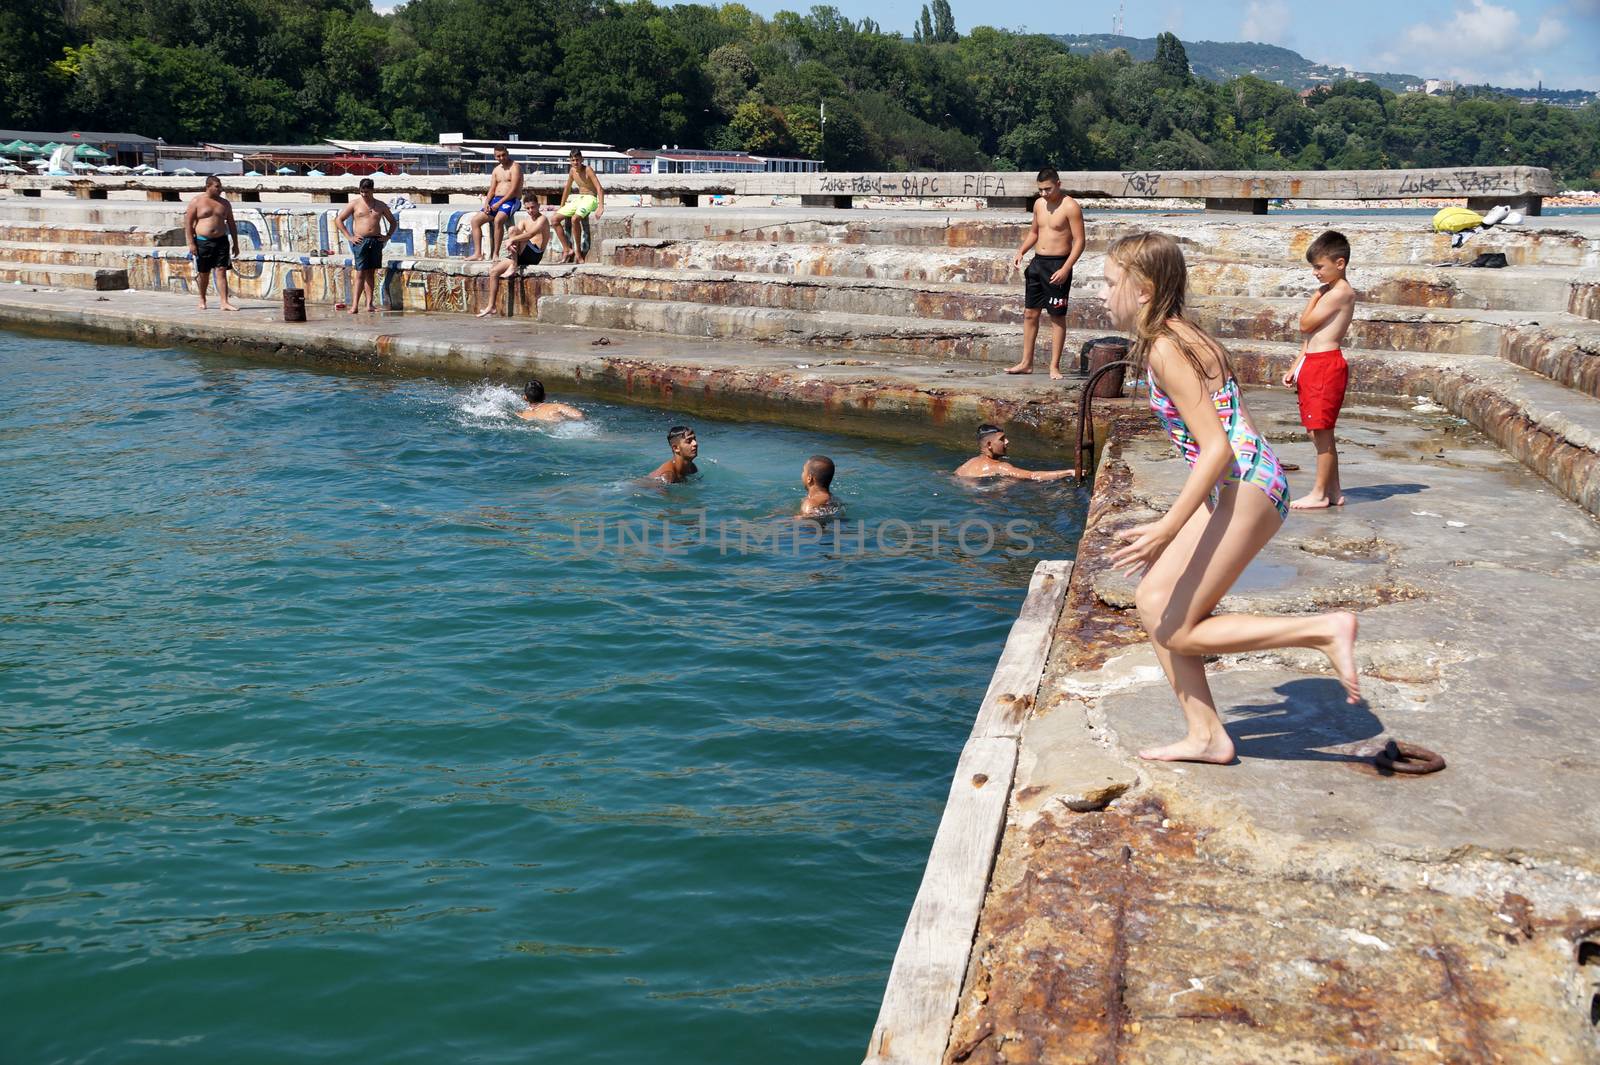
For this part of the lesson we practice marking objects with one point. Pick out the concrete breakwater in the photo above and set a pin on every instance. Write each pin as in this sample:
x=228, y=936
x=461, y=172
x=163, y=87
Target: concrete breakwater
x=1511, y=350
x=1321, y=909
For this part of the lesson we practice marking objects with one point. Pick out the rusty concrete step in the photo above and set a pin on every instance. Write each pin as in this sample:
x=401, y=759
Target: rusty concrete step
x=1404, y=240
x=56, y=276
x=105, y=255
x=932, y=339
x=106, y=234
x=1515, y=288
x=1376, y=326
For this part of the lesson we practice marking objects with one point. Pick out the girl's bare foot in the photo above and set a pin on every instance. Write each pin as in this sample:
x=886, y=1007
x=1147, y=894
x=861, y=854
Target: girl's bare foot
x=228, y=307
x=1057, y=375
x=475, y=257
x=1025, y=366
x=1313, y=501
x=1217, y=750
x=1341, y=652
x=486, y=312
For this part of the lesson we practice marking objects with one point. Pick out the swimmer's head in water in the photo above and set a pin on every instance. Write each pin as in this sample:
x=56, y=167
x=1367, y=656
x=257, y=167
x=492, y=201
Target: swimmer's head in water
x=534, y=392
x=992, y=441
x=818, y=471
x=680, y=438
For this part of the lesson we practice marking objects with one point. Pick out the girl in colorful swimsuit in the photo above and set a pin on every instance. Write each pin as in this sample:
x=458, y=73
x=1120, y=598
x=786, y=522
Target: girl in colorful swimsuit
x=1234, y=500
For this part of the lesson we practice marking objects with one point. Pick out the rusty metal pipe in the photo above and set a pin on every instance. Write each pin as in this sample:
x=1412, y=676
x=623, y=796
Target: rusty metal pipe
x=1086, y=447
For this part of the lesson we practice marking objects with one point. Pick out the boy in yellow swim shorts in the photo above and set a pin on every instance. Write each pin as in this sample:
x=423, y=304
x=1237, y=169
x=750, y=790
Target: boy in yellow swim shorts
x=582, y=198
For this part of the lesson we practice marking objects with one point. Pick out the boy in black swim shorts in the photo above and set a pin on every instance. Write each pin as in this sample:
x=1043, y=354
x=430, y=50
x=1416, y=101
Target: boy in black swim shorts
x=1057, y=240
x=525, y=245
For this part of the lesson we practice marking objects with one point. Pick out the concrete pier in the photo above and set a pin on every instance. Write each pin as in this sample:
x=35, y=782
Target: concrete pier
x=1299, y=906
x=1302, y=905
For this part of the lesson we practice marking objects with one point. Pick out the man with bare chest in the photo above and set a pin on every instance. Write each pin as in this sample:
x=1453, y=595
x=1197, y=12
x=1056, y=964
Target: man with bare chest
x=208, y=226
x=363, y=223
x=1057, y=240
x=499, y=204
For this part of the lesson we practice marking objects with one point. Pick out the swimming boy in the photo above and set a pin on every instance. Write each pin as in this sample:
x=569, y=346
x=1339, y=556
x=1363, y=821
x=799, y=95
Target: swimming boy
x=367, y=239
x=680, y=438
x=581, y=198
x=991, y=460
x=208, y=224
x=817, y=476
x=1057, y=240
x=542, y=410
x=1320, y=374
x=499, y=203
x=525, y=245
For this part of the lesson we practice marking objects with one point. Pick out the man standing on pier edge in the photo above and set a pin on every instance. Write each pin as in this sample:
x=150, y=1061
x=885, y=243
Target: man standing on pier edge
x=209, y=226
x=1057, y=240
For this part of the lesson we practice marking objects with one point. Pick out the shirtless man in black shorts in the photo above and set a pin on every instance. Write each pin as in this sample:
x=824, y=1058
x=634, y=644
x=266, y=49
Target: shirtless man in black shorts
x=1056, y=238
x=525, y=244
x=208, y=224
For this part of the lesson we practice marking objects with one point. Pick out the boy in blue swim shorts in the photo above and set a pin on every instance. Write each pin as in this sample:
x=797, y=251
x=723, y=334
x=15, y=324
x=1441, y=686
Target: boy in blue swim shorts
x=499, y=205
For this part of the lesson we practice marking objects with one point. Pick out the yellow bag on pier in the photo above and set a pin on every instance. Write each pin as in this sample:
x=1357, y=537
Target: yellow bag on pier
x=1456, y=220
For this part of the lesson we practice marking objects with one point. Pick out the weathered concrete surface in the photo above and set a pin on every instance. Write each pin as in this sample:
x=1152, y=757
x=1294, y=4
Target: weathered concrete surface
x=1513, y=182
x=1298, y=906
x=879, y=396
x=1516, y=288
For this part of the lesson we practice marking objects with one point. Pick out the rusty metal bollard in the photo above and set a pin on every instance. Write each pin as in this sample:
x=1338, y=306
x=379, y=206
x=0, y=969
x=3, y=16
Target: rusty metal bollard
x=1100, y=352
x=294, y=304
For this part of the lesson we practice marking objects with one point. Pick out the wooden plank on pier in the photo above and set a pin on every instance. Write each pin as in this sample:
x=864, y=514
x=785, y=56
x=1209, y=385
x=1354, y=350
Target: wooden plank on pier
x=1016, y=678
x=931, y=964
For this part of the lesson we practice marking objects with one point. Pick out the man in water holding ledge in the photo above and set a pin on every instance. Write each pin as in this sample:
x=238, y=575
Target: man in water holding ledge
x=991, y=460
x=1057, y=240
x=680, y=438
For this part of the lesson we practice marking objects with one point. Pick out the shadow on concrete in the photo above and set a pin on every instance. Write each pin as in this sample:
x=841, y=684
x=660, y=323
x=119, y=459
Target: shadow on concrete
x=1372, y=493
x=1311, y=715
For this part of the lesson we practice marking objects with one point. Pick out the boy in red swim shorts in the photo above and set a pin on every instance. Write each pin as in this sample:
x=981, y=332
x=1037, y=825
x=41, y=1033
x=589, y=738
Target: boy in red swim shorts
x=1320, y=374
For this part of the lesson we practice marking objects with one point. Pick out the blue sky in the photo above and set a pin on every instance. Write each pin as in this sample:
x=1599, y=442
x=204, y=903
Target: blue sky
x=1514, y=43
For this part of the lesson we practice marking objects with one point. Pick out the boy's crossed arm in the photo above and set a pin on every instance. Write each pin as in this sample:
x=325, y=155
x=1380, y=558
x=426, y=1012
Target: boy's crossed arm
x=1326, y=302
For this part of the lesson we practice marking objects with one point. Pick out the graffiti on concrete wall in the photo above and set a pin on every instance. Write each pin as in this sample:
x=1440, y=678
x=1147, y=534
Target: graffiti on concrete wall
x=913, y=185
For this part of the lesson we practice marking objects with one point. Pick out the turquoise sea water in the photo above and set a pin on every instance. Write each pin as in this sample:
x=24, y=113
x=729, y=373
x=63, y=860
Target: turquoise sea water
x=320, y=740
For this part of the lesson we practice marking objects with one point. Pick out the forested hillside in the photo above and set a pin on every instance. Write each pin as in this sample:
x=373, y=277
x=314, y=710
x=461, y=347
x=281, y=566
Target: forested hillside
x=639, y=75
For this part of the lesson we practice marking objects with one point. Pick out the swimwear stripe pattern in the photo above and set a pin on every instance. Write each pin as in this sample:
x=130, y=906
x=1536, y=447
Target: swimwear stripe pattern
x=1253, y=460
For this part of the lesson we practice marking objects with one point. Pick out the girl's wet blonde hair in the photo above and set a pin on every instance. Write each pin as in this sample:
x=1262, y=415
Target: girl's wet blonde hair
x=1154, y=261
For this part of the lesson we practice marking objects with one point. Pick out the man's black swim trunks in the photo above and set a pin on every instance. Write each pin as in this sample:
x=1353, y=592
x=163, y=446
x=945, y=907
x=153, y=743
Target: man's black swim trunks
x=211, y=253
x=1040, y=293
x=368, y=253
x=530, y=255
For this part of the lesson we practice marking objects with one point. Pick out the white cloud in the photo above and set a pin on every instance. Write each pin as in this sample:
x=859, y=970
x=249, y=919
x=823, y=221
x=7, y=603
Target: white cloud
x=1267, y=21
x=1483, y=41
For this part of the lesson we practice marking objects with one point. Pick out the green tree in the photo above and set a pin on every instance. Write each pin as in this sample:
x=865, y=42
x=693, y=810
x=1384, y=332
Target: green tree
x=944, y=24
x=1171, y=60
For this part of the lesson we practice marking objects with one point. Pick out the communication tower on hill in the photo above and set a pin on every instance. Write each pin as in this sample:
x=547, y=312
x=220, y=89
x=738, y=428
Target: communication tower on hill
x=1116, y=20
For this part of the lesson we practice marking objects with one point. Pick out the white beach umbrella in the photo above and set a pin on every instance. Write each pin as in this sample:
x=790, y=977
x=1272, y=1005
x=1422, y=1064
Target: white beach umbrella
x=252, y=173
x=114, y=168
x=183, y=171
x=315, y=173
x=285, y=169
x=39, y=162
x=12, y=168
